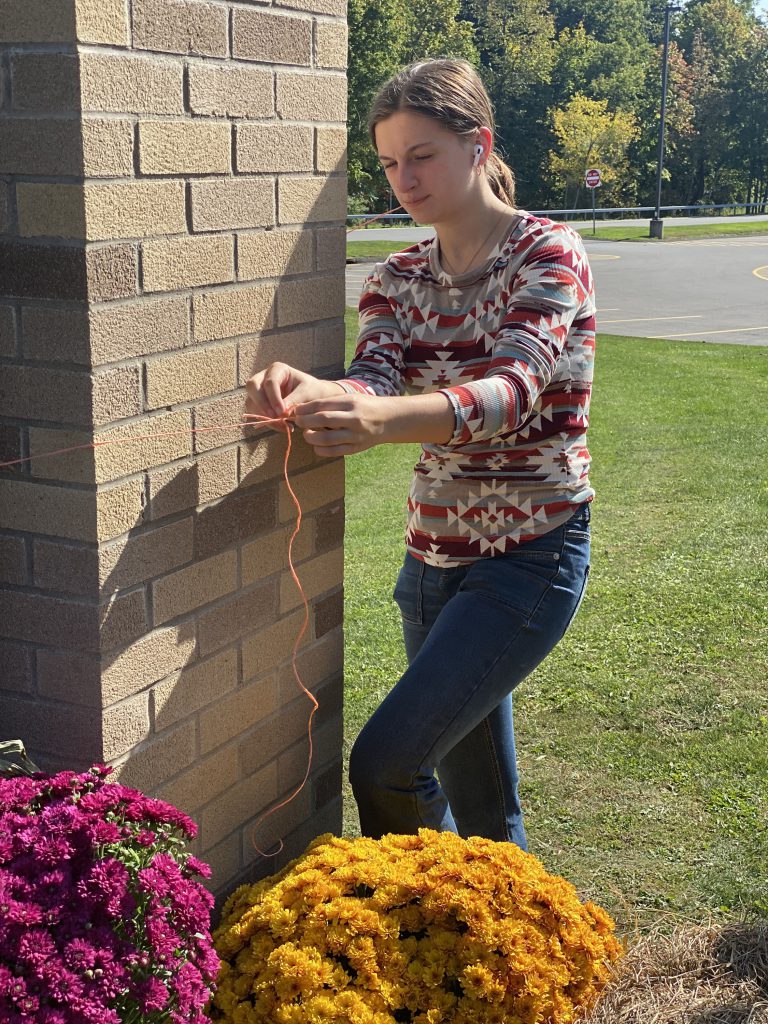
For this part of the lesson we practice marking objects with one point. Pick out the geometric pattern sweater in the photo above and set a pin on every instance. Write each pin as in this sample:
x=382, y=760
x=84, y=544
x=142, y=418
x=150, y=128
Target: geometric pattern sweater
x=512, y=344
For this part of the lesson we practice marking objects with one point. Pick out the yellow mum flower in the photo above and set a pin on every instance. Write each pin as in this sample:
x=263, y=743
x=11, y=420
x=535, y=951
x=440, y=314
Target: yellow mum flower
x=424, y=929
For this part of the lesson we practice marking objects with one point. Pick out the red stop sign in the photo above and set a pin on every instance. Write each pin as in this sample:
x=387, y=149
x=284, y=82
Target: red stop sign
x=593, y=178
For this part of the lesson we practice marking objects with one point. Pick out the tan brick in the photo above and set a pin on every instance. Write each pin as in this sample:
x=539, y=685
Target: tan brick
x=184, y=147
x=292, y=347
x=7, y=331
x=205, y=781
x=63, y=567
x=315, y=488
x=279, y=39
x=317, y=576
x=152, y=765
x=326, y=747
x=329, y=345
x=269, y=554
x=223, y=205
x=229, y=312
x=274, y=254
x=147, y=660
x=31, y=392
x=316, y=664
x=331, y=149
x=234, y=714
x=224, y=862
x=331, y=44
x=41, y=146
x=112, y=271
x=186, y=692
x=178, y=26
x=52, y=621
x=70, y=677
x=173, y=441
x=125, y=210
x=312, y=199
x=264, y=743
x=245, y=514
x=122, y=619
x=119, y=508
x=102, y=21
x=224, y=410
x=107, y=148
x=199, y=584
x=55, y=335
x=230, y=91
x=53, y=210
x=134, y=209
x=138, y=328
x=45, y=82
x=36, y=21
x=13, y=560
x=142, y=556
x=272, y=646
x=245, y=613
x=76, y=466
x=38, y=508
x=332, y=7
x=197, y=373
x=130, y=84
x=245, y=800
x=185, y=485
x=303, y=97
x=331, y=248
x=125, y=725
x=178, y=263
x=274, y=147
x=116, y=394
x=5, y=208
x=266, y=835
x=319, y=298
x=263, y=459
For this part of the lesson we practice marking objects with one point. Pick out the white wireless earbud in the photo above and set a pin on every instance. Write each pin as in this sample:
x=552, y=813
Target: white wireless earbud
x=478, y=154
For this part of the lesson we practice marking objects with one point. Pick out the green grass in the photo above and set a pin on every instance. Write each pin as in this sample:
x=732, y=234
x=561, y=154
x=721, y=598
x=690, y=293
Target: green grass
x=630, y=233
x=643, y=739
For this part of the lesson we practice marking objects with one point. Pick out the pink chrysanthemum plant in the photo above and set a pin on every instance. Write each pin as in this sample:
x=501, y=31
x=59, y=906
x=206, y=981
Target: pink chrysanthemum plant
x=102, y=918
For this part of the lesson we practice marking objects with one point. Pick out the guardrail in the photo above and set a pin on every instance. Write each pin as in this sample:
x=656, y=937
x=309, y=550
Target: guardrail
x=736, y=208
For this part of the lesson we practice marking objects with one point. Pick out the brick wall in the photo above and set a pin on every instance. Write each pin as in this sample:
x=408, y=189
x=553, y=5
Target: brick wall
x=172, y=202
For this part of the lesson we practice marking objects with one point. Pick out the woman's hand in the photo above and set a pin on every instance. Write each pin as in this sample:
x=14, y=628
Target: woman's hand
x=272, y=392
x=344, y=425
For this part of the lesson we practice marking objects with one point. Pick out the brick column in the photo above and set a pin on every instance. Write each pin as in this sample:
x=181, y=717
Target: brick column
x=172, y=205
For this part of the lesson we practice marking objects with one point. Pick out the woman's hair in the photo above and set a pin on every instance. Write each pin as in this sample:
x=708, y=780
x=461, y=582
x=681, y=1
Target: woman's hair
x=449, y=91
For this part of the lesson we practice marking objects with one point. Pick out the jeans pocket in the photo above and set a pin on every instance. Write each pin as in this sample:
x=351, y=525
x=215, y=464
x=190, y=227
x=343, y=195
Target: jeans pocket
x=408, y=591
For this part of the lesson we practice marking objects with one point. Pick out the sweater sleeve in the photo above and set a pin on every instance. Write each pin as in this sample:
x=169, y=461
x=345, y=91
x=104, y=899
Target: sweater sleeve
x=551, y=289
x=378, y=364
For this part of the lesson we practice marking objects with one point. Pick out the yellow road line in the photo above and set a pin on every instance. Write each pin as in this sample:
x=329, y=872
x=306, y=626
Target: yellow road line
x=645, y=319
x=761, y=272
x=731, y=330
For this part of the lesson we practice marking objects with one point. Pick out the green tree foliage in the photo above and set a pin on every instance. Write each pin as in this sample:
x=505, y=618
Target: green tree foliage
x=385, y=35
x=588, y=134
x=539, y=58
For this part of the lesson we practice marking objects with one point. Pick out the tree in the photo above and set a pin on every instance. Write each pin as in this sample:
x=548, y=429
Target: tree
x=588, y=135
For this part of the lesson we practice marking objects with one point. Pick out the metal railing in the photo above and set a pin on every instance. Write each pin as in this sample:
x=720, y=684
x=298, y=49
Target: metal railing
x=586, y=212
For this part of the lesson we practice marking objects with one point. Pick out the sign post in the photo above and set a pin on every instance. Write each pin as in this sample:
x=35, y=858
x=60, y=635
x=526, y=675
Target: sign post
x=593, y=179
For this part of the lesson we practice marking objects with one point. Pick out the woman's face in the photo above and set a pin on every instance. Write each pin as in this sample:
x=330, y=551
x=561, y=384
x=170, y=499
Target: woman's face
x=428, y=167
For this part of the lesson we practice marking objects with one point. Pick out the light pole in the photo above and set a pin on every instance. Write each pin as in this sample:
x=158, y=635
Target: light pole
x=657, y=224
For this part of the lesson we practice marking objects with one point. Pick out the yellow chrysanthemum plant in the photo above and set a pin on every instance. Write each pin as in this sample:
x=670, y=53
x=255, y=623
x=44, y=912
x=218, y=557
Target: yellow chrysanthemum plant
x=427, y=929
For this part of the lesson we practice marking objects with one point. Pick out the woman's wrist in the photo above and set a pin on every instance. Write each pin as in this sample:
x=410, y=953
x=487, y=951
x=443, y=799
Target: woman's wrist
x=425, y=419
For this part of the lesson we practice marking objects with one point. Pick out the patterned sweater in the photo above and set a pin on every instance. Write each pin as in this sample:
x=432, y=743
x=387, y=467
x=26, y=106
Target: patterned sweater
x=512, y=346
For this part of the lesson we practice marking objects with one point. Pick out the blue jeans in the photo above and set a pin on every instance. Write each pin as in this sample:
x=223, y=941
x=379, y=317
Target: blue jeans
x=472, y=633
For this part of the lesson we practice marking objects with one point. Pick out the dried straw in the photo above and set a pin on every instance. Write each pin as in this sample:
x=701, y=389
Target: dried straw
x=698, y=974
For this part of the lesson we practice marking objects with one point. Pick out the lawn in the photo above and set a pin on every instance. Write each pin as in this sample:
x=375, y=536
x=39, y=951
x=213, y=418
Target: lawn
x=643, y=740
x=380, y=248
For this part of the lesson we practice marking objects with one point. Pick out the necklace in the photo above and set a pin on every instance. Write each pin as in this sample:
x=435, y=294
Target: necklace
x=457, y=273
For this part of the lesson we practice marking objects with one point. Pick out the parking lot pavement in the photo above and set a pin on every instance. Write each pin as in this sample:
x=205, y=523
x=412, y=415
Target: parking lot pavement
x=710, y=290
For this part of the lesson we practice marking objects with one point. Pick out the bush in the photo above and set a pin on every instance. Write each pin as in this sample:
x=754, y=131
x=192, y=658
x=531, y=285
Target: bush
x=430, y=929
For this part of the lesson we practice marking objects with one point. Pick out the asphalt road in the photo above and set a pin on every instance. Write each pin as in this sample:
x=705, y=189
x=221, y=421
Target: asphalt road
x=710, y=290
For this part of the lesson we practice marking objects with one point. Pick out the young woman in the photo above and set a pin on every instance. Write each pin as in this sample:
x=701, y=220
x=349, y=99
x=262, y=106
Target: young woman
x=479, y=344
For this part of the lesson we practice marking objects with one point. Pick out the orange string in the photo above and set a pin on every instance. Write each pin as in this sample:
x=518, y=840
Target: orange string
x=370, y=220
x=254, y=420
